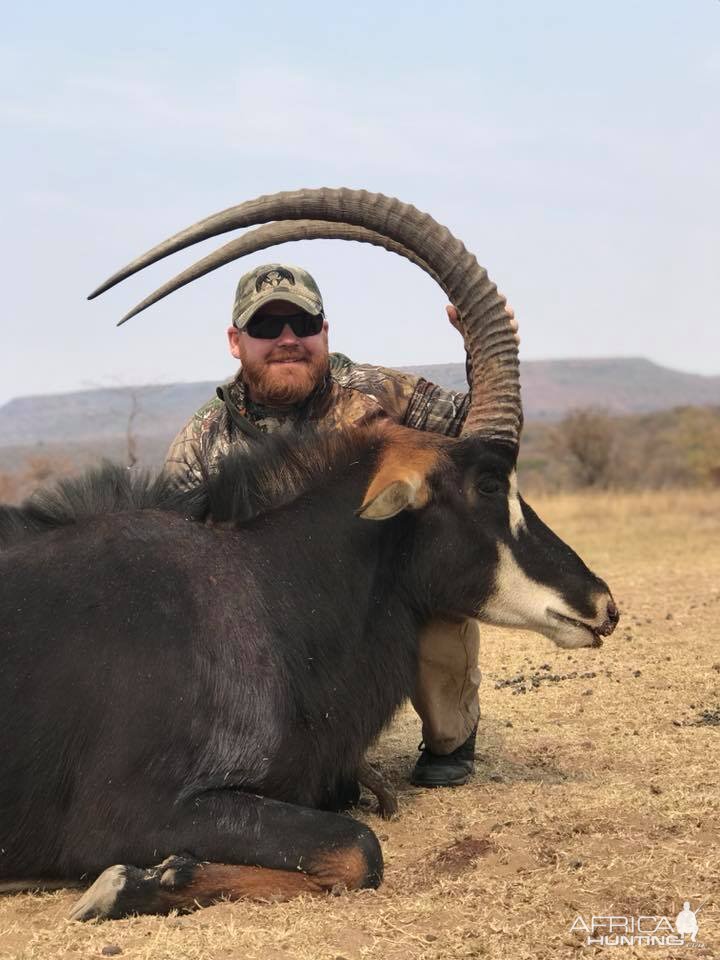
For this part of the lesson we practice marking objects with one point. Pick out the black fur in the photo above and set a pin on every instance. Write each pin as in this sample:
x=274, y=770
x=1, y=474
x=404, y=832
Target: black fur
x=171, y=685
x=246, y=483
x=151, y=661
x=107, y=489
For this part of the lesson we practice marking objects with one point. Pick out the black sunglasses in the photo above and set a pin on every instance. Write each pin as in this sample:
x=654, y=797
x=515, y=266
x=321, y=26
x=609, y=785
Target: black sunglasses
x=270, y=327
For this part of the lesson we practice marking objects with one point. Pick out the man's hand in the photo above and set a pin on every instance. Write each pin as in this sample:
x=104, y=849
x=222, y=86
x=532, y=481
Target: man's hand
x=454, y=318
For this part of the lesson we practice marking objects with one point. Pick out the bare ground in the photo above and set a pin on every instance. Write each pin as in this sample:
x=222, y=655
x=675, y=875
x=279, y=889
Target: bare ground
x=596, y=791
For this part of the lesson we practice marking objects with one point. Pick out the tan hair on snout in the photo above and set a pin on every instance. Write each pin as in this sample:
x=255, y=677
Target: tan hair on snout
x=401, y=479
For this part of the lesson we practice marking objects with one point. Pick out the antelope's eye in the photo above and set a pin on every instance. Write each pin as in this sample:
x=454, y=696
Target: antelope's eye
x=489, y=485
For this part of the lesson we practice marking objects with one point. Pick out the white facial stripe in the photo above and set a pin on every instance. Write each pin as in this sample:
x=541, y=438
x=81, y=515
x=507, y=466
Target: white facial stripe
x=519, y=601
x=517, y=520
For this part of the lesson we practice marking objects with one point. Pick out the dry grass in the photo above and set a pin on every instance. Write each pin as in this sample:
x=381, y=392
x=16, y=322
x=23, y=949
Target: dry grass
x=593, y=795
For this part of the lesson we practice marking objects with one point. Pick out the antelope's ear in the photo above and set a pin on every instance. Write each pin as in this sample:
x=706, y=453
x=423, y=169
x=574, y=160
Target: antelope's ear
x=400, y=481
x=388, y=494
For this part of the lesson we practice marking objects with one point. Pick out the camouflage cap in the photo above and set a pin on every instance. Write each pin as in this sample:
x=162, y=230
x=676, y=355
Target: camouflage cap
x=274, y=281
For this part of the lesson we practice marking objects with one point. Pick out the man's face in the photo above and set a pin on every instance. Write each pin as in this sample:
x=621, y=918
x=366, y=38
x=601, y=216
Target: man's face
x=283, y=371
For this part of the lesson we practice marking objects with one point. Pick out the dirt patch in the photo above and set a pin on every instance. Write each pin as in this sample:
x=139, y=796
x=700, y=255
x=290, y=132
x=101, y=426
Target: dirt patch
x=527, y=683
x=709, y=718
x=462, y=854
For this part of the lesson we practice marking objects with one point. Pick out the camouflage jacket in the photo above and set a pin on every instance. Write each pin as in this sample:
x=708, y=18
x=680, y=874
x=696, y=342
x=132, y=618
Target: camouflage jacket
x=351, y=394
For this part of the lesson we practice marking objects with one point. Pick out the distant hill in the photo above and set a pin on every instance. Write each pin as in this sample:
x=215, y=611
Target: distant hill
x=92, y=415
x=619, y=385
x=551, y=388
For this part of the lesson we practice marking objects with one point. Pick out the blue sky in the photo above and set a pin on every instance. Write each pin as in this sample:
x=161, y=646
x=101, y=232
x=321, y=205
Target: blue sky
x=574, y=147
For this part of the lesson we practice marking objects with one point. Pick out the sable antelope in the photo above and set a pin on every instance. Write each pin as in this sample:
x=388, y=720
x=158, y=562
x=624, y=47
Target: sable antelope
x=191, y=679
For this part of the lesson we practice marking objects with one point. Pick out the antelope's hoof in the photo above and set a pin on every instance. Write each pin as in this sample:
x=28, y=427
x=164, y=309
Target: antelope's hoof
x=103, y=900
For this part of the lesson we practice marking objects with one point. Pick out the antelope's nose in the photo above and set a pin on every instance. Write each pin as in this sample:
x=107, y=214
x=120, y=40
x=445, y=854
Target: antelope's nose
x=612, y=616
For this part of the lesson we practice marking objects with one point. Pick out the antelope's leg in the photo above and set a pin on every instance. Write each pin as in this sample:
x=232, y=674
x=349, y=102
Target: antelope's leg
x=240, y=846
x=182, y=883
x=376, y=784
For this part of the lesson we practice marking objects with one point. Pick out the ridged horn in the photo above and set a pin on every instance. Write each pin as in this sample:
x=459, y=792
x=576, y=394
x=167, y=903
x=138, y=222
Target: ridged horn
x=269, y=235
x=495, y=412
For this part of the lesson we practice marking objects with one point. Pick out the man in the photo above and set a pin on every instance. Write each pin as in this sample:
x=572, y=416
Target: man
x=289, y=378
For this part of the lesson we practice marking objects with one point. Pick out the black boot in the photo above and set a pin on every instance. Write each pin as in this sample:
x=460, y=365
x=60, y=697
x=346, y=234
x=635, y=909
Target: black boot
x=445, y=770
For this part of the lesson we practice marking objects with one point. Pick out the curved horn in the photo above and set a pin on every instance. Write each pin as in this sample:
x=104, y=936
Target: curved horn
x=269, y=235
x=495, y=411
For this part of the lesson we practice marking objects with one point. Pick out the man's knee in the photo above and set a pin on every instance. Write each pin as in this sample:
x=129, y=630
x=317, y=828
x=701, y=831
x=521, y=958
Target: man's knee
x=446, y=695
x=449, y=646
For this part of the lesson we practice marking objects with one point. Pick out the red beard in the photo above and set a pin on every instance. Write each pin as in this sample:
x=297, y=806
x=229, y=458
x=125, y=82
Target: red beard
x=278, y=384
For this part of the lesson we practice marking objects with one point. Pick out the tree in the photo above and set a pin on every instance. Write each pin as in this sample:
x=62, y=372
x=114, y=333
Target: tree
x=587, y=438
